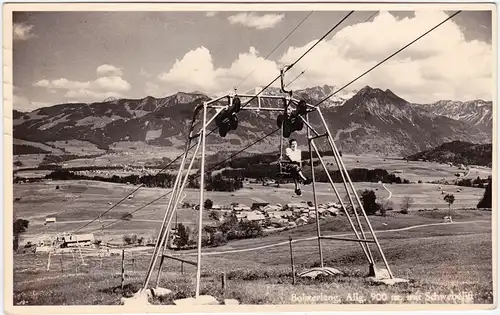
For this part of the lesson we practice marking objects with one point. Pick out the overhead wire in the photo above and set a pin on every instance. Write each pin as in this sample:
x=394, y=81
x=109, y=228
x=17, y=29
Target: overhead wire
x=392, y=55
x=277, y=46
x=300, y=74
x=302, y=56
x=209, y=170
x=213, y=130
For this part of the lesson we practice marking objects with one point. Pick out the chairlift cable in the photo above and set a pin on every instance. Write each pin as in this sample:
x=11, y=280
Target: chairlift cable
x=277, y=46
x=300, y=74
x=209, y=170
x=302, y=56
x=213, y=130
x=392, y=55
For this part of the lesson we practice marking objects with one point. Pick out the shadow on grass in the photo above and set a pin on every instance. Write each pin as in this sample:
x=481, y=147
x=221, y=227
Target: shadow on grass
x=128, y=289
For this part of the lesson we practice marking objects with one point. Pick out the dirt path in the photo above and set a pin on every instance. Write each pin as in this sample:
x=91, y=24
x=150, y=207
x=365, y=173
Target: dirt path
x=390, y=192
x=315, y=237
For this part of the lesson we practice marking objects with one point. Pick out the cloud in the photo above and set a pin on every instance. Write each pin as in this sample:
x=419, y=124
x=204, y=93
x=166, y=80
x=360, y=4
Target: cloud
x=253, y=20
x=109, y=70
x=210, y=14
x=22, y=31
x=108, y=84
x=442, y=65
x=62, y=83
x=195, y=71
x=24, y=104
x=112, y=83
x=89, y=94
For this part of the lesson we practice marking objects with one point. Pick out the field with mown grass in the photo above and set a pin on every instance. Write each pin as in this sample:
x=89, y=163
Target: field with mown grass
x=437, y=259
x=76, y=203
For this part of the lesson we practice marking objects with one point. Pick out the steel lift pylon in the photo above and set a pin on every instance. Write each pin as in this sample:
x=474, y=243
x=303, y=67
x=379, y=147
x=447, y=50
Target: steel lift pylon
x=353, y=210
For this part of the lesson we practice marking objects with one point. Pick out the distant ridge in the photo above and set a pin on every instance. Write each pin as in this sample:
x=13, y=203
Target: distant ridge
x=458, y=152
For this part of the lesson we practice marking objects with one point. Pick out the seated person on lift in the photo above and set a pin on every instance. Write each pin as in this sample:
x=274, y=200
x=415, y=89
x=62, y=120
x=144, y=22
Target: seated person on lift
x=294, y=164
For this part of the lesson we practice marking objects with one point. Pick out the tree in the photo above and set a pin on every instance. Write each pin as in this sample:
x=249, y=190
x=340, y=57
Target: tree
x=140, y=240
x=20, y=226
x=208, y=204
x=406, y=204
x=182, y=236
x=250, y=229
x=127, y=239
x=230, y=228
x=486, y=201
x=368, y=199
x=449, y=198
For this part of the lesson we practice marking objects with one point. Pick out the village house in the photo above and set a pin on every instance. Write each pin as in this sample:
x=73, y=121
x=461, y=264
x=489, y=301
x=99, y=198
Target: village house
x=240, y=216
x=241, y=207
x=301, y=221
x=275, y=220
x=255, y=216
x=77, y=240
x=259, y=205
x=271, y=208
x=334, y=205
x=49, y=220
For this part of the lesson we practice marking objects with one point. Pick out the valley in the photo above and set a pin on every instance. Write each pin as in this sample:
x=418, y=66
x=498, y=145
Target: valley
x=374, y=129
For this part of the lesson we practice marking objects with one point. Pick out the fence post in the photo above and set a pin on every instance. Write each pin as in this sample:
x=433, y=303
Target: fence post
x=48, y=262
x=291, y=259
x=61, y=261
x=123, y=269
x=74, y=261
x=223, y=282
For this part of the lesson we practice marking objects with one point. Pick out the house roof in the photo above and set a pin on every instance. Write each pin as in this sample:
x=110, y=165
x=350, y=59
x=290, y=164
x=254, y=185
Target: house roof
x=79, y=237
x=255, y=216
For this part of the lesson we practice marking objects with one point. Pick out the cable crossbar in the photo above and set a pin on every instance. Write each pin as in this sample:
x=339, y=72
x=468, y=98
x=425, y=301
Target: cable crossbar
x=392, y=55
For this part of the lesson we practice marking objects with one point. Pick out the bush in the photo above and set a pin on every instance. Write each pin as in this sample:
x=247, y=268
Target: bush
x=128, y=240
x=127, y=217
x=406, y=204
x=214, y=216
x=385, y=206
x=208, y=204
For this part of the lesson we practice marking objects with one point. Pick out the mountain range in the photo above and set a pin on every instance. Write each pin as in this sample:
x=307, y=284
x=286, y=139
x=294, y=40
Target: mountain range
x=478, y=113
x=371, y=121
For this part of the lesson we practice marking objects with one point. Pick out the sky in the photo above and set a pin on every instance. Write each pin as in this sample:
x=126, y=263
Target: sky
x=70, y=57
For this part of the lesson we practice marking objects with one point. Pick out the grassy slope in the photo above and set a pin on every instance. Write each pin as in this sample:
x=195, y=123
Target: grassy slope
x=440, y=259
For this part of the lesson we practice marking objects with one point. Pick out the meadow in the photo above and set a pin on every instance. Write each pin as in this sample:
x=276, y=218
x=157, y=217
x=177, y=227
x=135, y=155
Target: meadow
x=75, y=203
x=436, y=257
